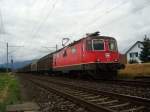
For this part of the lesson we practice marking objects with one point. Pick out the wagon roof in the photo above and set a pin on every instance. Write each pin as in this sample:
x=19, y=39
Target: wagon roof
x=48, y=55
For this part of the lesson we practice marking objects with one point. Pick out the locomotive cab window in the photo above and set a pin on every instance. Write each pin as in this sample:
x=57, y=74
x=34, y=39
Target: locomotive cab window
x=98, y=44
x=112, y=45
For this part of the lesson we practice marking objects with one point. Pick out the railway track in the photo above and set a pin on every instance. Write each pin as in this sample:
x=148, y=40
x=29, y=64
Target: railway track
x=95, y=100
x=135, y=83
x=47, y=99
x=128, y=87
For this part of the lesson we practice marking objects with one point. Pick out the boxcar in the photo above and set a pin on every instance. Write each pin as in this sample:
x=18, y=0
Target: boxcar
x=44, y=64
x=26, y=68
x=34, y=66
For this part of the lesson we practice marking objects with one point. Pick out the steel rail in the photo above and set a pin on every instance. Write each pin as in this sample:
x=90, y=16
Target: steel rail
x=87, y=105
x=132, y=99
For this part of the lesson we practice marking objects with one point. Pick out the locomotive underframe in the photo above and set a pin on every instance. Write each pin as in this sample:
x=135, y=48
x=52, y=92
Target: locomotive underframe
x=95, y=70
x=90, y=66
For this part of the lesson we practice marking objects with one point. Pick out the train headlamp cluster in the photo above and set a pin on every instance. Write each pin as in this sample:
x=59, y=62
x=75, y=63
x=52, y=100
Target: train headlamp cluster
x=107, y=55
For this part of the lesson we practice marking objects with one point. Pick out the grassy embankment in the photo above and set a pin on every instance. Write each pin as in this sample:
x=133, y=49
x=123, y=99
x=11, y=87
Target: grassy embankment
x=135, y=70
x=9, y=91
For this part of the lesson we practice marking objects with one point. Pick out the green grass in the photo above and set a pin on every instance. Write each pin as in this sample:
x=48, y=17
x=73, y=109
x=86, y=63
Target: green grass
x=9, y=91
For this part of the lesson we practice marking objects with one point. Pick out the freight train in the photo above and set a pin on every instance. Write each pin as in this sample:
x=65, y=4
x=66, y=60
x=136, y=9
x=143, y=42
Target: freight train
x=92, y=55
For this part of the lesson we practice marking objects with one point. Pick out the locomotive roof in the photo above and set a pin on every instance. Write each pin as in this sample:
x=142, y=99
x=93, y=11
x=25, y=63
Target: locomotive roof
x=71, y=44
x=102, y=37
x=75, y=42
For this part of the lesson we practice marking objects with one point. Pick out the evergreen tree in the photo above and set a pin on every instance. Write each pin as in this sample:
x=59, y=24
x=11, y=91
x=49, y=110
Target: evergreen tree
x=145, y=53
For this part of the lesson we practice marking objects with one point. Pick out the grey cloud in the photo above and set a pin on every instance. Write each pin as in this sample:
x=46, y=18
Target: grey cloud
x=36, y=23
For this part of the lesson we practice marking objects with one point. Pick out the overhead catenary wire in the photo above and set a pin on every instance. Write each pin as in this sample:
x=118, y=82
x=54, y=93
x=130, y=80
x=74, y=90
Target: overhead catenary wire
x=37, y=30
x=119, y=18
x=103, y=14
x=43, y=9
x=2, y=29
x=125, y=16
x=106, y=12
x=44, y=20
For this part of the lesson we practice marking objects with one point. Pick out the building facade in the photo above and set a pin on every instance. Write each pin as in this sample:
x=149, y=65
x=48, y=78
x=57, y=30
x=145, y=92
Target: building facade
x=133, y=54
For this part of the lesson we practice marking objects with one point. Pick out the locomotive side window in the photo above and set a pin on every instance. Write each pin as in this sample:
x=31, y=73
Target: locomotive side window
x=112, y=45
x=73, y=50
x=57, y=55
x=89, y=45
x=98, y=44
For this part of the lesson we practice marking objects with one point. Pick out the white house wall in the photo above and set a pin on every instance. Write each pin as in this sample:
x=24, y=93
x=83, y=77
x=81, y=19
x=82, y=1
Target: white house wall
x=135, y=49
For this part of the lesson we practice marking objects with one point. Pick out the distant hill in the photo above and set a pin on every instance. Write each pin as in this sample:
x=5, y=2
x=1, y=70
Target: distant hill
x=17, y=65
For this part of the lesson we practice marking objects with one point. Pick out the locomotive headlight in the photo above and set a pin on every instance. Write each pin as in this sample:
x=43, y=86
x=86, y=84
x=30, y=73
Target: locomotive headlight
x=107, y=55
x=97, y=60
x=116, y=60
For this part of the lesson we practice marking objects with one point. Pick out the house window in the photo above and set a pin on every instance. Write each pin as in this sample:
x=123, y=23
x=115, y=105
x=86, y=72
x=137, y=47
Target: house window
x=139, y=45
x=133, y=54
x=136, y=54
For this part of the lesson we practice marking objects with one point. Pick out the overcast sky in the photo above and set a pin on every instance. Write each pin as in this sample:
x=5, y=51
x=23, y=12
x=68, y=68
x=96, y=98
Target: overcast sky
x=38, y=25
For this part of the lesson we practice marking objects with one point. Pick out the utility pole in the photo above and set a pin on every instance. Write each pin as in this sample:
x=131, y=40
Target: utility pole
x=56, y=47
x=8, y=54
x=12, y=62
x=7, y=57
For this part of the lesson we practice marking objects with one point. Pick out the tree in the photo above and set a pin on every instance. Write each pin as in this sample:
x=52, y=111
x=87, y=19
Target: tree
x=145, y=53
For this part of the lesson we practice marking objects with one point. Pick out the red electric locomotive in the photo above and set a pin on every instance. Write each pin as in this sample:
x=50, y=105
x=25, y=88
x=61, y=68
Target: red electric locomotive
x=96, y=55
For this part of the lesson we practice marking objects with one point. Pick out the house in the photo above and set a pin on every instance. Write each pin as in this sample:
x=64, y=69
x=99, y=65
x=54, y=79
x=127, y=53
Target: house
x=133, y=53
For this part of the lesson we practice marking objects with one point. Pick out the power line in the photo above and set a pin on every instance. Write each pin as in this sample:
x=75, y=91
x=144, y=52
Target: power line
x=50, y=48
x=44, y=19
x=7, y=53
x=41, y=24
x=127, y=15
x=107, y=12
x=34, y=30
x=119, y=18
x=2, y=30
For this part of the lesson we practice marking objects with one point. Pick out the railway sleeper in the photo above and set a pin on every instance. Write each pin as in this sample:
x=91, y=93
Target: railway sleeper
x=133, y=109
x=92, y=97
x=97, y=100
x=107, y=102
x=84, y=95
x=119, y=105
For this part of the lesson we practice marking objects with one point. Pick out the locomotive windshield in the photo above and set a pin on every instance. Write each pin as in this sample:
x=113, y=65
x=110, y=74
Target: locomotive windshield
x=112, y=45
x=98, y=44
